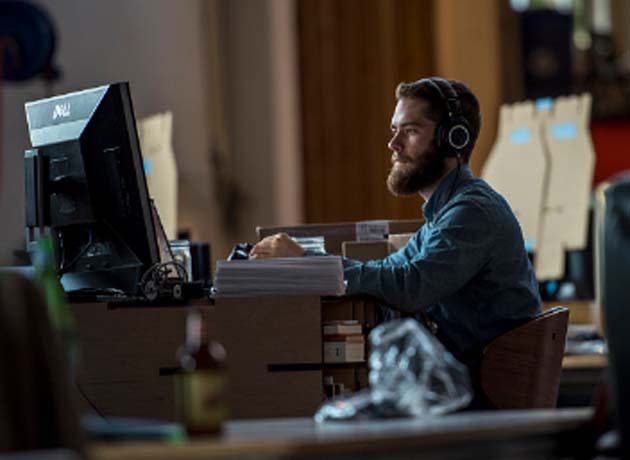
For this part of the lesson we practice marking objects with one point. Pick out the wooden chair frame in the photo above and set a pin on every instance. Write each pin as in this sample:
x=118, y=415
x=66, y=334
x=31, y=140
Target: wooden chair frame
x=521, y=368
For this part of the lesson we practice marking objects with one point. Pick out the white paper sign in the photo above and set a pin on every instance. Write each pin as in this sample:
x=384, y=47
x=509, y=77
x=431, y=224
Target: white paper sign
x=369, y=230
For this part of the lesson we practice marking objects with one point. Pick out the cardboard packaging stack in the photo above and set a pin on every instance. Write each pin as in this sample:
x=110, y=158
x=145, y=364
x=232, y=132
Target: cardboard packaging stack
x=344, y=342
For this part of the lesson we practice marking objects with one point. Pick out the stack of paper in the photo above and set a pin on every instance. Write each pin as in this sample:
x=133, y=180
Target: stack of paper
x=321, y=275
x=342, y=327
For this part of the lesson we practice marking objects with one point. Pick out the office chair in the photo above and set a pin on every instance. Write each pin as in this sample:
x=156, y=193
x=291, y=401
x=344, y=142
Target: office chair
x=521, y=368
x=36, y=408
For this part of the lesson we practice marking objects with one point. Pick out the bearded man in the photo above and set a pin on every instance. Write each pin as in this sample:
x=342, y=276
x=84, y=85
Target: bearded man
x=465, y=272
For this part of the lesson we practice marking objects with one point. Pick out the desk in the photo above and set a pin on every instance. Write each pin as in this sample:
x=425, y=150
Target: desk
x=581, y=374
x=597, y=362
x=274, y=348
x=488, y=435
x=580, y=311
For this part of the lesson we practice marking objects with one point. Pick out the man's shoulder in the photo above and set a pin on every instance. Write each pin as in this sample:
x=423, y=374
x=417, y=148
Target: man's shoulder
x=478, y=191
x=478, y=197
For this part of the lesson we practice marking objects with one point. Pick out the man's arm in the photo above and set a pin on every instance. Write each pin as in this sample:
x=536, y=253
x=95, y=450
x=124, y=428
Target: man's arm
x=282, y=245
x=453, y=252
x=403, y=255
x=278, y=245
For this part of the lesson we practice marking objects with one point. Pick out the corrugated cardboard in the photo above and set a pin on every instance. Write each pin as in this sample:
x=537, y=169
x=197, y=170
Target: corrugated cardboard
x=155, y=135
x=365, y=250
x=517, y=166
x=398, y=240
x=543, y=164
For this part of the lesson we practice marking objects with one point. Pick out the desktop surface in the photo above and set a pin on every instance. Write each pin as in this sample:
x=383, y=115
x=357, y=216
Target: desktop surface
x=492, y=434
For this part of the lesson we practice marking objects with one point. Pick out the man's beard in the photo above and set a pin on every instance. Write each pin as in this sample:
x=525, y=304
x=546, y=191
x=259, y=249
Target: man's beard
x=414, y=175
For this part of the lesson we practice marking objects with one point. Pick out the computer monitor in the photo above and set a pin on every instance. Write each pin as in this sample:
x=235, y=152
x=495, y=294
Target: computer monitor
x=85, y=183
x=578, y=280
x=612, y=255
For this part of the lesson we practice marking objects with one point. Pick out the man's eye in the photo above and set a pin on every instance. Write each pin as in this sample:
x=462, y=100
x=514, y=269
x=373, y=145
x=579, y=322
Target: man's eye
x=411, y=131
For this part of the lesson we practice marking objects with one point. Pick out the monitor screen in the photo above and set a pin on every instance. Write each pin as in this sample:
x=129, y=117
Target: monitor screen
x=613, y=268
x=85, y=182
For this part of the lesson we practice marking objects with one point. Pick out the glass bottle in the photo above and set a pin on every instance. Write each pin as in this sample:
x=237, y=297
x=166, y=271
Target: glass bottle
x=200, y=383
x=59, y=312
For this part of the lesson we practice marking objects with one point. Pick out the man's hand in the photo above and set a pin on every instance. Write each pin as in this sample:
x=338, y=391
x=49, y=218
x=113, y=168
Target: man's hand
x=278, y=245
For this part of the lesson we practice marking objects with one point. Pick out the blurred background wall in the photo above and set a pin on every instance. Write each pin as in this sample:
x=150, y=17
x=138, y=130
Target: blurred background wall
x=158, y=46
x=282, y=107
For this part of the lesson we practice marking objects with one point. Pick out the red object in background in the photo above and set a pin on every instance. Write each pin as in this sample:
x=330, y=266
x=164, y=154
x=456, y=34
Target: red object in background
x=611, y=140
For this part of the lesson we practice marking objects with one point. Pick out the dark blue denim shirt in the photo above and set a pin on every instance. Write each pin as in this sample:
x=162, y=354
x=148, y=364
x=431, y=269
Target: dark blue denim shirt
x=466, y=268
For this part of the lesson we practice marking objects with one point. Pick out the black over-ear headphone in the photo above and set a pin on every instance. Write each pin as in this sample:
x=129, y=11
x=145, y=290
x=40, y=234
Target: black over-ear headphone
x=452, y=133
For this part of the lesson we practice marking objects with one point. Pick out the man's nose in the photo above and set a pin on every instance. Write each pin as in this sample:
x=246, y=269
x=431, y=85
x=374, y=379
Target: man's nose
x=394, y=143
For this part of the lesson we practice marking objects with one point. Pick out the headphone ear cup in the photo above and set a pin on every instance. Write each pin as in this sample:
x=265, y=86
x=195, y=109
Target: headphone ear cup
x=459, y=135
x=452, y=134
x=456, y=137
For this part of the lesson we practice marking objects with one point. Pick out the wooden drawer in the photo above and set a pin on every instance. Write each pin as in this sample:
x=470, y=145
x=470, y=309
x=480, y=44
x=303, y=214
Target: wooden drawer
x=257, y=332
x=128, y=356
x=145, y=398
x=127, y=343
x=275, y=394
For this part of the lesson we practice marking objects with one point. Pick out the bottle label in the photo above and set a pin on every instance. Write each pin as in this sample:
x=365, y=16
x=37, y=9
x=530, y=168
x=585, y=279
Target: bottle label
x=200, y=399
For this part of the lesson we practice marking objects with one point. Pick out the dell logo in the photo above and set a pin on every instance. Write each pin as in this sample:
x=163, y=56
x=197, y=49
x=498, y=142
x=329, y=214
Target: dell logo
x=61, y=111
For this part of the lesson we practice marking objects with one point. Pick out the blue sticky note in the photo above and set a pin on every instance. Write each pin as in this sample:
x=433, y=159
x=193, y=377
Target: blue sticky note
x=520, y=136
x=564, y=131
x=551, y=288
x=147, y=166
x=545, y=103
x=530, y=245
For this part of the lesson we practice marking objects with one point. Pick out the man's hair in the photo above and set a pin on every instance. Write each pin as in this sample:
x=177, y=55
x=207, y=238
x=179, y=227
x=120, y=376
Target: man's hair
x=436, y=106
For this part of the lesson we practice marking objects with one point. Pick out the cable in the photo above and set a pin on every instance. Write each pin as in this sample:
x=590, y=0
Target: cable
x=89, y=401
x=63, y=268
x=456, y=180
x=160, y=271
x=153, y=281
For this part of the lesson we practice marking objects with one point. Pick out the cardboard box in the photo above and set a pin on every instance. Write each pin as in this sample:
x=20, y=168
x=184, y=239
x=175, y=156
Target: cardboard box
x=374, y=250
x=365, y=250
x=342, y=327
x=398, y=240
x=344, y=349
x=336, y=233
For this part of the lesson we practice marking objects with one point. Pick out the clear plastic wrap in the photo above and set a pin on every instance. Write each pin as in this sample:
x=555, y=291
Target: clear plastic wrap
x=411, y=375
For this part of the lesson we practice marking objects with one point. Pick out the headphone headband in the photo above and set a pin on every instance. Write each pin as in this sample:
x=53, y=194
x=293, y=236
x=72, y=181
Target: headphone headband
x=435, y=83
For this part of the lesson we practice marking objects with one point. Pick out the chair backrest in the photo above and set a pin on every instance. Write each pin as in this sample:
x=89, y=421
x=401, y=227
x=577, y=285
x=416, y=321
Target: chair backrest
x=521, y=368
x=36, y=406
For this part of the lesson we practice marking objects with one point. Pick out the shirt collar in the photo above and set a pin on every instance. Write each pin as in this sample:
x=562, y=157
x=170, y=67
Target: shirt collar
x=443, y=191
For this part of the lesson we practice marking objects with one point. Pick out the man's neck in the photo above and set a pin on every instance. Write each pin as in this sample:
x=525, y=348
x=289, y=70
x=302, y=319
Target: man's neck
x=426, y=192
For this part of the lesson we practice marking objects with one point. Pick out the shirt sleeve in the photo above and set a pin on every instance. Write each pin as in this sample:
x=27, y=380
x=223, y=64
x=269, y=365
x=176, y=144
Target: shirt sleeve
x=404, y=254
x=449, y=253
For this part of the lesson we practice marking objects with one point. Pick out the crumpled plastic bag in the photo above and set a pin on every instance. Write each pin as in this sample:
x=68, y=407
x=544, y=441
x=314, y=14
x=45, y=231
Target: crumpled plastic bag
x=411, y=375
